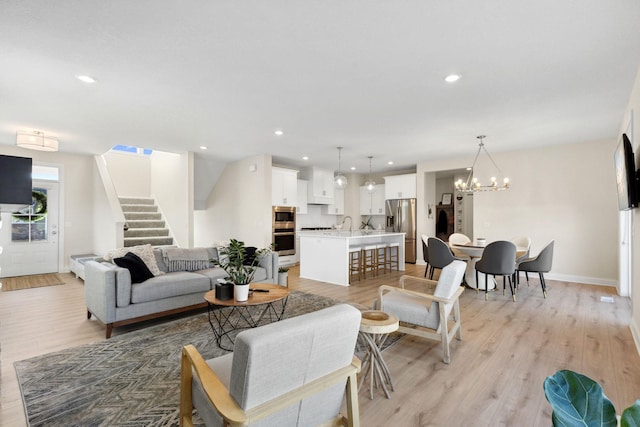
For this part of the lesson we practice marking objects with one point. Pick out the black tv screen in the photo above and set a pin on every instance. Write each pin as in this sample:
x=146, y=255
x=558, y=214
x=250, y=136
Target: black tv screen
x=15, y=181
x=626, y=175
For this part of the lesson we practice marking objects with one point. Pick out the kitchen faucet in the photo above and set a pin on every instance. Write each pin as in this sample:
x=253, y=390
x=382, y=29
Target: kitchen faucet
x=350, y=223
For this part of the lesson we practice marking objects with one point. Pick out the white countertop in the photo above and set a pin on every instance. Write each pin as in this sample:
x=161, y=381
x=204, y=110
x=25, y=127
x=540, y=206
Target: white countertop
x=342, y=234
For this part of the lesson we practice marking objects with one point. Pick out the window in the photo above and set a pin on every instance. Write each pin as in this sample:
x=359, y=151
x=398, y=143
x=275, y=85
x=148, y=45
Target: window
x=133, y=150
x=30, y=224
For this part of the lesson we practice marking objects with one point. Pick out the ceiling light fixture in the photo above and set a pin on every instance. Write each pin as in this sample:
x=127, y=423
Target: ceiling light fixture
x=86, y=79
x=452, y=78
x=278, y=132
x=472, y=184
x=36, y=140
x=339, y=180
x=370, y=185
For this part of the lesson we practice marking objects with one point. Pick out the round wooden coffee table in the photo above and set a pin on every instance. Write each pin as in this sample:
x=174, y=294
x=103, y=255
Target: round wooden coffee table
x=375, y=327
x=241, y=315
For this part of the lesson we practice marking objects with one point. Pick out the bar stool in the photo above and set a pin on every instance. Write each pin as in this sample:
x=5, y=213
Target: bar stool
x=381, y=256
x=355, y=262
x=393, y=256
x=370, y=260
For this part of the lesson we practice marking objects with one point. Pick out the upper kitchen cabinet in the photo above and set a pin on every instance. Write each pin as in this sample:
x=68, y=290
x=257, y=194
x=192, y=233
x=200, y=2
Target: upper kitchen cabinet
x=284, y=187
x=372, y=204
x=337, y=208
x=321, y=188
x=302, y=197
x=400, y=186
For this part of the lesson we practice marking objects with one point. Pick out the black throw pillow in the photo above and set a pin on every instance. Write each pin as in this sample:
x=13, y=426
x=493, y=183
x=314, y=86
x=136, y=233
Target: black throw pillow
x=138, y=269
x=249, y=255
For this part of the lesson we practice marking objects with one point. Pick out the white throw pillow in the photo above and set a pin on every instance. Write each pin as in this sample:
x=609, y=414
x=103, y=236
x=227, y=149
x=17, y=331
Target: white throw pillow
x=145, y=252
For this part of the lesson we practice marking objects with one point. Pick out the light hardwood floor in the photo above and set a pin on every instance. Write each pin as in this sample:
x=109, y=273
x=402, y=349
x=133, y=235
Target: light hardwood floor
x=494, y=379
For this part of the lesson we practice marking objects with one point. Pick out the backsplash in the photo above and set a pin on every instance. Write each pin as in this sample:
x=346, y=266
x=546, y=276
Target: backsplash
x=315, y=218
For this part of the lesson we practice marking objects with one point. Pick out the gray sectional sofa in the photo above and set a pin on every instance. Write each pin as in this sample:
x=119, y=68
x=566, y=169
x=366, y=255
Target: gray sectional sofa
x=115, y=301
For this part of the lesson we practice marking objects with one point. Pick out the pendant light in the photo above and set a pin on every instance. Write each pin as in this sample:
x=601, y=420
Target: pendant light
x=473, y=184
x=370, y=185
x=339, y=180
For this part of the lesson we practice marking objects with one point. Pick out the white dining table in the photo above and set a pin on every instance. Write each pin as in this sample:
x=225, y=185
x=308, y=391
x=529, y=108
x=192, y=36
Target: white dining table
x=474, y=252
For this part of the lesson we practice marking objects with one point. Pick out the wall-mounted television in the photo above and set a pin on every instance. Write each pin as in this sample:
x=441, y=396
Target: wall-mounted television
x=15, y=182
x=626, y=175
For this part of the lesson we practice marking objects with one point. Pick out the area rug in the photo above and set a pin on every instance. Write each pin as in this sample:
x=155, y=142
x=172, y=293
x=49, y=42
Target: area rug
x=33, y=281
x=129, y=380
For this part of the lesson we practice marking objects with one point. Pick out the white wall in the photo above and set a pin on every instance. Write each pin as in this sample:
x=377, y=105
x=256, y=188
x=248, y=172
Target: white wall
x=566, y=193
x=206, y=174
x=172, y=187
x=239, y=206
x=130, y=173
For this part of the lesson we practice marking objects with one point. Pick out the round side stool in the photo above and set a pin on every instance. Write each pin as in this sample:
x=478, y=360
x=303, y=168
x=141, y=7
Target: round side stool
x=375, y=326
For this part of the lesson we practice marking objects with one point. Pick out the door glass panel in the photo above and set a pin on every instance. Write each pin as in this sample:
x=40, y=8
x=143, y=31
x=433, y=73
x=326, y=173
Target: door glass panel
x=30, y=224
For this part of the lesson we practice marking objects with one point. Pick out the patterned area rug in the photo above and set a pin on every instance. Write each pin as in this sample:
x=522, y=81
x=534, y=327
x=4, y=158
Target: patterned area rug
x=27, y=282
x=132, y=379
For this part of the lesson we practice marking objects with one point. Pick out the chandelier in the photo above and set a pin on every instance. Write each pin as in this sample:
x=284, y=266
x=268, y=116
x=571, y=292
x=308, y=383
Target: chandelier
x=339, y=180
x=473, y=184
x=370, y=185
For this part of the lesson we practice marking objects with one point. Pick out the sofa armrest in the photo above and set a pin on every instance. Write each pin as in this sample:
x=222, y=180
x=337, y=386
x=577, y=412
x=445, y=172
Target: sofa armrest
x=106, y=287
x=270, y=263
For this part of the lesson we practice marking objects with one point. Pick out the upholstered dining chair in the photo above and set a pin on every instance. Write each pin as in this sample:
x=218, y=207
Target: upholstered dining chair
x=440, y=254
x=540, y=264
x=460, y=239
x=522, y=242
x=498, y=259
x=288, y=373
x=425, y=253
x=426, y=314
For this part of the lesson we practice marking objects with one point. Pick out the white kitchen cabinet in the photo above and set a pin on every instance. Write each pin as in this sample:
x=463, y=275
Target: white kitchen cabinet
x=302, y=197
x=400, y=186
x=321, y=187
x=337, y=208
x=284, y=187
x=372, y=204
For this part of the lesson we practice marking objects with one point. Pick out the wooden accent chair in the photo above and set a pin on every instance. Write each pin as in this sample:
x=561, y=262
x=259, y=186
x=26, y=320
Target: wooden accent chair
x=427, y=313
x=289, y=373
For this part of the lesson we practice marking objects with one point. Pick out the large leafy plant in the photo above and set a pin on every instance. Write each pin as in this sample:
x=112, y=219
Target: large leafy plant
x=577, y=400
x=238, y=263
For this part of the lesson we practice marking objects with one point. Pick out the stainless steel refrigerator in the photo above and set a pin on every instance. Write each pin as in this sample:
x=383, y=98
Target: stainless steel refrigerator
x=401, y=218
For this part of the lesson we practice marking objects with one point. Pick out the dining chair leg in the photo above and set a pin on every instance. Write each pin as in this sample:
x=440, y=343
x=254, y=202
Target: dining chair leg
x=526, y=274
x=504, y=287
x=543, y=284
x=486, y=286
x=426, y=269
x=513, y=293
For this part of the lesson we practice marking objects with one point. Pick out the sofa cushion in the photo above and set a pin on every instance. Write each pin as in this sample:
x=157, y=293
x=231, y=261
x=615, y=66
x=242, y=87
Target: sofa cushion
x=145, y=252
x=137, y=268
x=170, y=285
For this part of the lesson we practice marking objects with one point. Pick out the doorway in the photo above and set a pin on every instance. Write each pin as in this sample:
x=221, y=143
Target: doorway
x=30, y=237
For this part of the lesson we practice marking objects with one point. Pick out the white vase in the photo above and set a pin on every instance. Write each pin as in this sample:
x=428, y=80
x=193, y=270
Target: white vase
x=282, y=279
x=241, y=292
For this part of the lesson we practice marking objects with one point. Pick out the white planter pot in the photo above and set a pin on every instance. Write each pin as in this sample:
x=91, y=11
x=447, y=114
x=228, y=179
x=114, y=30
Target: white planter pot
x=283, y=279
x=241, y=292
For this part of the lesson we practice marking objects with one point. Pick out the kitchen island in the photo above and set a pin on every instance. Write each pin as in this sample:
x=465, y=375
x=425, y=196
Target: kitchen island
x=324, y=255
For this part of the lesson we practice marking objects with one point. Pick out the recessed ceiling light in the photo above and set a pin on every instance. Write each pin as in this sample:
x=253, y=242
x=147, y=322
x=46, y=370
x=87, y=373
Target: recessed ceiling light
x=353, y=168
x=279, y=132
x=452, y=78
x=390, y=162
x=86, y=79
x=305, y=158
x=202, y=147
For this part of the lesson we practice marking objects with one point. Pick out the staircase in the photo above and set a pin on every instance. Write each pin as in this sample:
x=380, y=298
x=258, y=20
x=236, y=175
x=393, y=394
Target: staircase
x=145, y=223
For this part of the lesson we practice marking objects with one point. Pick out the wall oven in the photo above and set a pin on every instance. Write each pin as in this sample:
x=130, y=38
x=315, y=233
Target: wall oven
x=284, y=230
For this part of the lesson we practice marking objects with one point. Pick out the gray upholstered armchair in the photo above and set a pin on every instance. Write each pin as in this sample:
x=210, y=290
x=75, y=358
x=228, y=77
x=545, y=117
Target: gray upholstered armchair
x=288, y=373
x=427, y=313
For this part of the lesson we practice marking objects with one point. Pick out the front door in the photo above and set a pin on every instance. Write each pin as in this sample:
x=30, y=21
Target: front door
x=29, y=237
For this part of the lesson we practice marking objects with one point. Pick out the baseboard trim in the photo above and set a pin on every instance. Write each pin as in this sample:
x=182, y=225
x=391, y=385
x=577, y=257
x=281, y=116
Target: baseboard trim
x=582, y=279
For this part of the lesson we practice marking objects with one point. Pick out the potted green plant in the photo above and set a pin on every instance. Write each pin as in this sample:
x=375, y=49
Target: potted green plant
x=283, y=276
x=240, y=266
x=577, y=400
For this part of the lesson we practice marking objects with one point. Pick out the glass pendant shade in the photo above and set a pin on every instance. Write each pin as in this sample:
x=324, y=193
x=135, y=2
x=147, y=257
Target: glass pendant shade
x=370, y=185
x=339, y=180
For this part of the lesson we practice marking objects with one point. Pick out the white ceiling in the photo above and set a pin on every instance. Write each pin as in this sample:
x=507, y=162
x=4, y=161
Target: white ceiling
x=367, y=75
